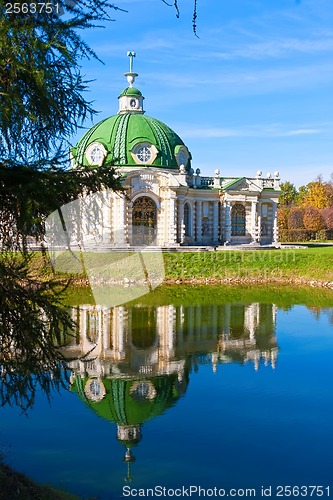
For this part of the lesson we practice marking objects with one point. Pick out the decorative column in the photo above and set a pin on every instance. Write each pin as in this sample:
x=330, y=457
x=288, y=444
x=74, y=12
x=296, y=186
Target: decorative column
x=172, y=232
x=193, y=221
x=275, y=223
x=254, y=221
x=259, y=221
x=105, y=330
x=130, y=223
x=181, y=224
x=251, y=319
x=171, y=329
x=216, y=221
x=199, y=221
x=162, y=223
x=120, y=233
x=118, y=332
x=106, y=217
x=227, y=222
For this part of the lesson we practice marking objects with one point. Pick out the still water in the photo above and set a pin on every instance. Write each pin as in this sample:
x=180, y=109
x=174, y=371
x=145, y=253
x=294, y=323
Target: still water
x=232, y=395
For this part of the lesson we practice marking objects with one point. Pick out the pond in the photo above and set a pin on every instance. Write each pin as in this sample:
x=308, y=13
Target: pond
x=195, y=388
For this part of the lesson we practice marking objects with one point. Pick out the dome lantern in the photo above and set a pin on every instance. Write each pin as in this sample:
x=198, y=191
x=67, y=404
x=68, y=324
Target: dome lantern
x=131, y=99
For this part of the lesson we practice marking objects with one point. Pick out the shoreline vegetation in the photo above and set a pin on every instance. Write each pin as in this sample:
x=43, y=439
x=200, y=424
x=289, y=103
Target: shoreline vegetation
x=15, y=486
x=286, y=266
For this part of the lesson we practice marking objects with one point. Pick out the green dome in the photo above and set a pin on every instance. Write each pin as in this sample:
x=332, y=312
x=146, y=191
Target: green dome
x=125, y=405
x=122, y=136
x=131, y=91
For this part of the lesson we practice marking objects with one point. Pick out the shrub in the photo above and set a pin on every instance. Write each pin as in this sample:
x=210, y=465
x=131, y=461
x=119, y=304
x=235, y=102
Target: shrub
x=296, y=235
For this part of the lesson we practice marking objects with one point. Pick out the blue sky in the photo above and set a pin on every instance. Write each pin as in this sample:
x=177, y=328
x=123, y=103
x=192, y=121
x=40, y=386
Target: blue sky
x=253, y=92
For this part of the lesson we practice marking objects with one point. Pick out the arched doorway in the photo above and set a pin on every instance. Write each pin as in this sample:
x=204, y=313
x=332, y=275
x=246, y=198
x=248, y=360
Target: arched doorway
x=144, y=221
x=238, y=215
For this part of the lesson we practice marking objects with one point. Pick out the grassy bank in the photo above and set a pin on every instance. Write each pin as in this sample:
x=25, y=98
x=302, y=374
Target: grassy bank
x=295, y=266
x=283, y=296
x=287, y=265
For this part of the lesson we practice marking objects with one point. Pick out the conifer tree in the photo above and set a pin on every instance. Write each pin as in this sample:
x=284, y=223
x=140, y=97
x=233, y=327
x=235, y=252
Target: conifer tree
x=42, y=104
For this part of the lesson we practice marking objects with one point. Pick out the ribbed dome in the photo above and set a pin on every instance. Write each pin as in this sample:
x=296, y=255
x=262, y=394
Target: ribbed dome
x=122, y=135
x=123, y=405
x=131, y=91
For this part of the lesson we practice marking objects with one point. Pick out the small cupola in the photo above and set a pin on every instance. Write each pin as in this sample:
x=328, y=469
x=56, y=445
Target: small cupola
x=131, y=99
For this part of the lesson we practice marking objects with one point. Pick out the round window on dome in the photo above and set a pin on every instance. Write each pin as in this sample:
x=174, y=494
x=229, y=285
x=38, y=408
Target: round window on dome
x=144, y=153
x=143, y=390
x=94, y=389
x=96, y=153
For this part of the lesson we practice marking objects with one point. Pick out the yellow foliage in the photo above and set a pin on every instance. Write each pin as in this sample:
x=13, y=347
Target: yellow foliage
x=316, y=196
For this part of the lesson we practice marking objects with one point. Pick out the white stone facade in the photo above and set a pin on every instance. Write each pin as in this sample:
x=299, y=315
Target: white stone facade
x=173, y=209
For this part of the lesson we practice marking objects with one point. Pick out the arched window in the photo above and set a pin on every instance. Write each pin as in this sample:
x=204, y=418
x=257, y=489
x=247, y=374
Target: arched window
x=238, y=220
x=144, y=221
x=187, y=219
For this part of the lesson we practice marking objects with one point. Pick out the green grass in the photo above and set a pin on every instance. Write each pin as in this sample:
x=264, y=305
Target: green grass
x=280, y=265
x=286, y=264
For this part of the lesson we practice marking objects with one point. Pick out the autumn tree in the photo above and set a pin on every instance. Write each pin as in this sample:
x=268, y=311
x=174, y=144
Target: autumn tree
x=329, y=191
x=327, y=214
x=295, y=218
x=313, y=220
x=316, y=196
x=282, y=215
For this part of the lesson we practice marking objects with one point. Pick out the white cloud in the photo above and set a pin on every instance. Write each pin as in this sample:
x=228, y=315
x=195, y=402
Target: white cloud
x=303, y=132
x=273, y=130
x=275, y=48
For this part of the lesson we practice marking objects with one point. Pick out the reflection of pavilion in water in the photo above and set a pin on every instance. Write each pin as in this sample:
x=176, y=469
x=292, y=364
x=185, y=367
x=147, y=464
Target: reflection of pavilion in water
x=134, y=362
x=150, y=340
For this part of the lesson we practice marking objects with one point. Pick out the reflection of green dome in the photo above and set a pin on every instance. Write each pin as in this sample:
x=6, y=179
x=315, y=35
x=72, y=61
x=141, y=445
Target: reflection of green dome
x=121, y=133
x=131, y=402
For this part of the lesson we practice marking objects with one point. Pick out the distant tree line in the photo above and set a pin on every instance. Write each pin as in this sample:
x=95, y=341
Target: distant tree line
x=306, y=213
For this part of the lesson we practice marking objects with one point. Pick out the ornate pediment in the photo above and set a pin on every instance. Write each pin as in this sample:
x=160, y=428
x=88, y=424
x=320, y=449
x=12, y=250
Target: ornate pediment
x=145, y=182
x=244, y=185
